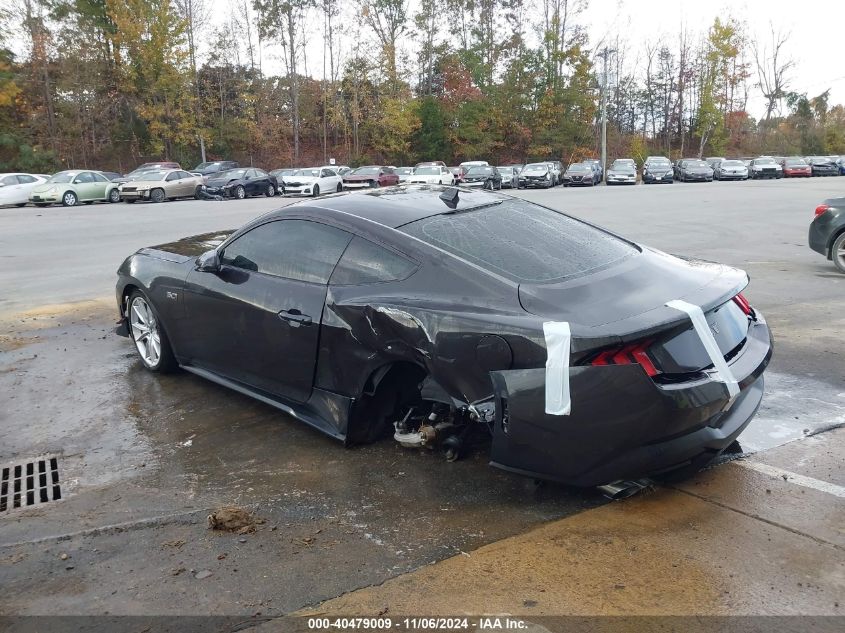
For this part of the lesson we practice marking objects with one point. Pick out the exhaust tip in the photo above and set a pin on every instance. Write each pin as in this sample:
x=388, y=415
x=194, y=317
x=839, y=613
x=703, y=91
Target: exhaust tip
x=624, y=489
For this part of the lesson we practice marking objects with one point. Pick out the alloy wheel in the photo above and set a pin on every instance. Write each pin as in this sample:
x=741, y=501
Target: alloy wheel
x=69, y=199
x=145, y=331
x=240, y=192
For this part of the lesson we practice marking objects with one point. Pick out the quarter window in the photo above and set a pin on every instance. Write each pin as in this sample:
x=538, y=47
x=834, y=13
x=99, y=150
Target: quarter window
x=364, y=262
x=293, y=249
x=26, y=179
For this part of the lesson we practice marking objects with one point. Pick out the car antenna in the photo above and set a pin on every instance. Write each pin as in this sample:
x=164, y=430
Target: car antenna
x=450, y=197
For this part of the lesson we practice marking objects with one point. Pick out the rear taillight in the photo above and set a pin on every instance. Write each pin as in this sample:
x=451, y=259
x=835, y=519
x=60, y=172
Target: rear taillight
x=631, y=354
x=746, y=308
x=821, y=209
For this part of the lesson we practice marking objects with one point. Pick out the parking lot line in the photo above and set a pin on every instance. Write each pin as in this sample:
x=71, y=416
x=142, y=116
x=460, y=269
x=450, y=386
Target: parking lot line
x=801, y=480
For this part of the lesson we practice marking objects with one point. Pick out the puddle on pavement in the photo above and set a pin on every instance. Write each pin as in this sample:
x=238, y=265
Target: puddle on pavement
x=793, y=407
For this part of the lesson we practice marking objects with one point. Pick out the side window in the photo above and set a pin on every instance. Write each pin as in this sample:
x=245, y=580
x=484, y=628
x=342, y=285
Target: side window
x=250, y=173
x=172, y=177
x=26, y=179
x=184, y=174
x=9, y=180
x=293, y=249
x=365, y=262
x=260, y=173
x=84, y=177
x=325, y=173
x=100, y=178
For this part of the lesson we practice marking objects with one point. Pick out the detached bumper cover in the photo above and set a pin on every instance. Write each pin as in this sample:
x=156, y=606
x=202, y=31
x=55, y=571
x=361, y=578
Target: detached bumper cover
x=623, y=425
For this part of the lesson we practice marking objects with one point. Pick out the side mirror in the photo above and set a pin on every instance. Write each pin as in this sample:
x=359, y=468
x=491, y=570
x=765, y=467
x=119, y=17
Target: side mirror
x=208, y=262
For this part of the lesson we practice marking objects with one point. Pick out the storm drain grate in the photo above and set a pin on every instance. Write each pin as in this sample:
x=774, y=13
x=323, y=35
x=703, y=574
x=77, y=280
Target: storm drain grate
x=30, y=483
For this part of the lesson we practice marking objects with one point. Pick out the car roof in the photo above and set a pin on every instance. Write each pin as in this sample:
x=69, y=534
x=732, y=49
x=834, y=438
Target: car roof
x=395, y=206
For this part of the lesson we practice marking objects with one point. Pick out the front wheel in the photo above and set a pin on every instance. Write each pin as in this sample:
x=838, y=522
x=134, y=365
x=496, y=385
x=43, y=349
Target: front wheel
x=271, y=191
x=157, y=195
x=837, y=253
x=240, y=192
x=114, y=196
x=69, y=199
x=339, y=188
x=197, y=193
x=315, y=191
x=148, y=335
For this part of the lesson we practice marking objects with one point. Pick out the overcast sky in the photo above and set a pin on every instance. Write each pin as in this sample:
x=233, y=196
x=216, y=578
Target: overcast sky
x=815, y=34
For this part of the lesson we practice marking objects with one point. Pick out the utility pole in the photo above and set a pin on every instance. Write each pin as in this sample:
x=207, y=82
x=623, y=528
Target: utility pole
x=604, y=54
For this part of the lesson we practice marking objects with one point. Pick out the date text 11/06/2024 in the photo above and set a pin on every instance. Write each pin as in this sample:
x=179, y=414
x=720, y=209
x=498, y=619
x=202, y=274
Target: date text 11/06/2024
x=422, y=623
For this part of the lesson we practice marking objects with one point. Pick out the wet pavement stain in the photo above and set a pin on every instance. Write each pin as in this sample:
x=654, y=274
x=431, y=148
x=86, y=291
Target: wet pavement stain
x=147, y=457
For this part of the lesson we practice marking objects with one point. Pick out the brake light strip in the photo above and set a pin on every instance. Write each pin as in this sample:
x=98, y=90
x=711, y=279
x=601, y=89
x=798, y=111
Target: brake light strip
x=558, y=343
x=696, y=315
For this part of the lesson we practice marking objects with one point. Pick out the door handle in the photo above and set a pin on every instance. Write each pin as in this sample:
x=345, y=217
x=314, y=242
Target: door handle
x=295, y=317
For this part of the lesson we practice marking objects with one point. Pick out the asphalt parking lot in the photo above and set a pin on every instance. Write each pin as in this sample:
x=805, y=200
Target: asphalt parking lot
x=144, y=459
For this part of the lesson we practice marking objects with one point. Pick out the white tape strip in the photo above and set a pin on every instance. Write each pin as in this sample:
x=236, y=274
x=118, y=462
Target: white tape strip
x=699, y=322
x=558, y=338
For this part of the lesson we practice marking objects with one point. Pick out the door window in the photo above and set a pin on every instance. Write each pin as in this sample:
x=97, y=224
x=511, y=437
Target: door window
x=364, y=262
x=9, y=180
x=100, y=178
x=26, y=179
x=172, y=177
x=84, y=177
x=293, y=249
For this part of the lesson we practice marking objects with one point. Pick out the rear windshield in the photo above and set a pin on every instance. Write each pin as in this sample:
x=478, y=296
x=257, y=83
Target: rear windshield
x=522, y=241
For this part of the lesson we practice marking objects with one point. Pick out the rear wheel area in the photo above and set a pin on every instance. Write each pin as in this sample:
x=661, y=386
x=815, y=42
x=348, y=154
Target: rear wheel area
x=149, y=337
x=837, y=252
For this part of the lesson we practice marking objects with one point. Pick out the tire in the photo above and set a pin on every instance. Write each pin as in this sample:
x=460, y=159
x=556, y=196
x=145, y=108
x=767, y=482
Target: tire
x=837, y=253
x=374, y=184
x=271, y=191
x=69, y=199
x=339, y=188
x=157, y=195
x=150, y=339
x=239, y=192
x=114, y=196
x=315, y=191
x=197, y=195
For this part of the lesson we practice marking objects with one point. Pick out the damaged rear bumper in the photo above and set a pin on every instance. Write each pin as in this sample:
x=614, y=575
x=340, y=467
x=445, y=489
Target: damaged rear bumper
x=623, y=425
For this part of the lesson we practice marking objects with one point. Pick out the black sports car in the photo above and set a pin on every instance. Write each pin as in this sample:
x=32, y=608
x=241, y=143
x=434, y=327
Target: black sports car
x=241, y=183
x=434, y=312
x=827, y=231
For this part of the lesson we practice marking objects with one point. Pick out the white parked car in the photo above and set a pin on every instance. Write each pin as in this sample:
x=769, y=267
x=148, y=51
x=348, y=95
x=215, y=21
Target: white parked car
x=312, y=181
x=432, y=175
x=15, y=188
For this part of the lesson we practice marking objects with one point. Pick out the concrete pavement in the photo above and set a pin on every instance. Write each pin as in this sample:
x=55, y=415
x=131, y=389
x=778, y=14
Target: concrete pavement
x=731, y=541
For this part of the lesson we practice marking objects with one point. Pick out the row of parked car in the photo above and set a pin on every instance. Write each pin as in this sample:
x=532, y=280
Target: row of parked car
x=159, y=181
